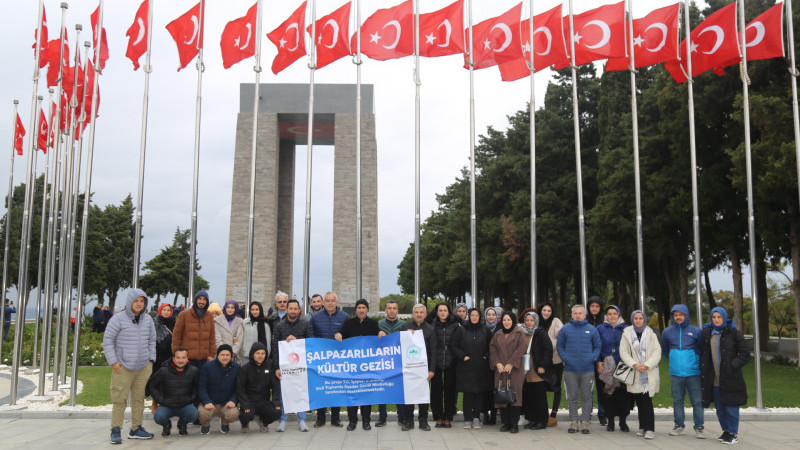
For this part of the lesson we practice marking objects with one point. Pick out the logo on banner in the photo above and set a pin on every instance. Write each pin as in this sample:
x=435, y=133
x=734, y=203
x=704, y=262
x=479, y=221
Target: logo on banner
x=294, y=358
x=414, y=353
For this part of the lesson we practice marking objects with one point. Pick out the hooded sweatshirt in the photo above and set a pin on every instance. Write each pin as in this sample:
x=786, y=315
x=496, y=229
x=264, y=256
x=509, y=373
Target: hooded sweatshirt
x=681, y=343
x=130, y=339
x=255, y=381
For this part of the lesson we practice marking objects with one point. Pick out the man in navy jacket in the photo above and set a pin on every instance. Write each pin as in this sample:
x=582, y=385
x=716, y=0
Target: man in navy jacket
x=579, y=346
x=217, y=390
x=328, y=324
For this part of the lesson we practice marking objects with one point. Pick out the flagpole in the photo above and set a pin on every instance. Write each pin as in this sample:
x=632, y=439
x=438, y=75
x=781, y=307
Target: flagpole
x=578, y=164
x=417, y=126
x=309, y=150
x=52, y=223
x=42, y=238
x=253, y=153
x=533, y=162
x=472, y=217
x=358, y=153
x=9, y=202
x=137, y=247
x=795, y=113
x=30, y=223
x=86, y=203
x=21, y=288
x=693, y=153
x=196, y=173
x=636, y=167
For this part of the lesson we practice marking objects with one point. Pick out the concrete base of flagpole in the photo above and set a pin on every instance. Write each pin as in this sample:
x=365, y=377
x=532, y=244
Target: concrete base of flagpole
x=54, y=393
x=12, y=407
x=40, y=398
x=31, y=371
x=64, y=387
x=4, y=367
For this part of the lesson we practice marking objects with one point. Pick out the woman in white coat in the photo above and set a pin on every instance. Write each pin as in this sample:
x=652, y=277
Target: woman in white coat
x=641, y=350
x=229, y=327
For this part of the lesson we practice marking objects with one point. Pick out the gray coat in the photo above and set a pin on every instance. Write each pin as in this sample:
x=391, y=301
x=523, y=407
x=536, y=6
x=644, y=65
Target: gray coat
x=251, y=337
x=129, y=341
x=224, y=334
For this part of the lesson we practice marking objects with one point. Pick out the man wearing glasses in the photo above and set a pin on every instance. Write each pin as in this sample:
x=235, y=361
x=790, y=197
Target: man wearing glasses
x=281, y=299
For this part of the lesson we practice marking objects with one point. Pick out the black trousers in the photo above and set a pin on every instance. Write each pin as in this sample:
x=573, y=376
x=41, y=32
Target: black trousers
x=534, y=401
x=265, y=411
x=473, y=405
x=558, y=369
x=334, y=412
x=443, y=394
x=647, y=420
x=352, y=413
x=617, y=404
x=423, y=412
x=509, y=416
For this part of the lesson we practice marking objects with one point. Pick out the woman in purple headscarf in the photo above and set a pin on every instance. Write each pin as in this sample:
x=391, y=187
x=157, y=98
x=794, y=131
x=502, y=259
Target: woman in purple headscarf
x=229, y=327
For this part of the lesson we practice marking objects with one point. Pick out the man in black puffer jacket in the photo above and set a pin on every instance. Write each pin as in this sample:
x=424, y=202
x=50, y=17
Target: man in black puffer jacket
x=253, y=388
x=420, y=312
x=174, y=387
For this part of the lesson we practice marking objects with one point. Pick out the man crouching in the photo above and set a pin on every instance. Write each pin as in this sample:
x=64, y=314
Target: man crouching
x=174, y=388
x=253, y=390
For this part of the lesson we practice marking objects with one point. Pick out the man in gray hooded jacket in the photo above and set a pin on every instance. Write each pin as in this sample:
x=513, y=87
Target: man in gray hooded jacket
x=129, y=344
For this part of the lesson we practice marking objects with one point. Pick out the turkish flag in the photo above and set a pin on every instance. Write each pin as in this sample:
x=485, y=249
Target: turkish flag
x=187, y=31
x=713, y=45
x=104, y=47
x=598, y=34
x=764, y=39
x=655, y=39
x=53, y=109
x=137, y=34
x=436, y=31
x=388, y=34
x=334, y=44
x=548, y=42
x=19, y=133
x=89, y=89
x=289, y=39
x=71, y=75
x=238, y=39
x=41, y=142
x=496, y=40
x=64, y=113
x=51, y=55
x=43, y=42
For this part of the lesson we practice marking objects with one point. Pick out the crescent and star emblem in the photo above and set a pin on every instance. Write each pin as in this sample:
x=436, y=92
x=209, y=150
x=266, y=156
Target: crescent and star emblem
x=549, y=35
x=449, y=29
x=398, y=29
x=196, y=31
x=760, y=32
x=663, y=28
x=140, y=36
x=335, y=35
x=720, y=37
x=297, y=31
x=606, y=33
x=506, y=34
x=249, y=33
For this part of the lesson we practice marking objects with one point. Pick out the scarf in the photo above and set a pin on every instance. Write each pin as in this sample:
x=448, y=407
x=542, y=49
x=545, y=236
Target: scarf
x=169, y=323
x=473, y=327
x=639, y=330
x=531, y=330
x=230, y=317
x=513, y=320
x=260, y=322
x=545, y=323
x=640, y=350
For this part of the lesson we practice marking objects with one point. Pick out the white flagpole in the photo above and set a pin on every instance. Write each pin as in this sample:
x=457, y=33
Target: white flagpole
x=795, y=114
x=52, y=224
x=137, y=247
x=253, y=153
x=533, y=161
x=312, y=65
x=578, y=165
x=358, y=151
x=10, y=202
x=87, y=200
x=693, y=149
x=472, y=216
x=417, y=155
x=23, y=265
x=196, y=173
x=636, y=168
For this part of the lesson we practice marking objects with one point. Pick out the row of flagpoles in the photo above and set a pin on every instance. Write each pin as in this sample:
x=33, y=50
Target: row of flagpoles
x=601, y=33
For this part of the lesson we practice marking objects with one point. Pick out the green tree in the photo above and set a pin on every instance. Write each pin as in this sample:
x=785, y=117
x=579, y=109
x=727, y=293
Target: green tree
x=168, y=271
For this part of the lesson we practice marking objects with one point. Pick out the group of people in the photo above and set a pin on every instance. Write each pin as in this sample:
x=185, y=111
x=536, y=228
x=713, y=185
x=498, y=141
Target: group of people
x=197, y=366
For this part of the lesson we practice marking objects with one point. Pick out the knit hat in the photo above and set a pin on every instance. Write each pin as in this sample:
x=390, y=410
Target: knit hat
x=594, y=299
x=224, y=347
x=362, y=302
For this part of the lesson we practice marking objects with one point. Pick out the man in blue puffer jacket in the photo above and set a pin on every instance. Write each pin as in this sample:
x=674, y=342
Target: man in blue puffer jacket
x=681, y=343
x=328, y=324
x=579, y=346
x=129, y=344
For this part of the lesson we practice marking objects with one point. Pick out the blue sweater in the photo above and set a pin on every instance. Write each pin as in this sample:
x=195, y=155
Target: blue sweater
x=578, y=346
x=217, y=383
x=681, y=343
x=327, y=325
x=610, y=335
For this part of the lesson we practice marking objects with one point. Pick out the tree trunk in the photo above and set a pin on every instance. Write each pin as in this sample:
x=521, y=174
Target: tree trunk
x=712, y=302
x=738, y=290
x=794, y=238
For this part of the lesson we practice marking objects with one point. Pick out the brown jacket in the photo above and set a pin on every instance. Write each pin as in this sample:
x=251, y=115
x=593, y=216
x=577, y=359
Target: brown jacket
x=195, y=334
x=508, y=349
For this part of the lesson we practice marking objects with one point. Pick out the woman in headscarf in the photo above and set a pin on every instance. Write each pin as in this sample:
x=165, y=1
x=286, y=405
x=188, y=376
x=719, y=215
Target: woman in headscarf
x=552, y=325
x=491, y=315
x=641, y=350
x=470, y=346
x=723, y=353
x=508, y=346
x=534, y=390
x=461, y=313
x=613, y=394
x=229, y=328
x=256, y=329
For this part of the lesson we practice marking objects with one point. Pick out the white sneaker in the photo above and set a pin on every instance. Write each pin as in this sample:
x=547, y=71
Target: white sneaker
x=640, y=433
x=699, y=433
x=649, y=435
x=676, y=430
x=467, y=425
x=281, y=426
x=302, y=426
x=476, y=424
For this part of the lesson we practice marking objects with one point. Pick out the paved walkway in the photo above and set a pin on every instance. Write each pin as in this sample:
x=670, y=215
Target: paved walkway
x=24, y=387
x=93, y=433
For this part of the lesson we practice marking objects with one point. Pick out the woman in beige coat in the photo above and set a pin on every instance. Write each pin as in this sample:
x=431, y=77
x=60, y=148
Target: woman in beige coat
x=229, y=328
x=505, y=354
x=641, y=350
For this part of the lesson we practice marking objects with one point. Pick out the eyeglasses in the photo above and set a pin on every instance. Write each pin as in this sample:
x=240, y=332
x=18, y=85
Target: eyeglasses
x=280, y=302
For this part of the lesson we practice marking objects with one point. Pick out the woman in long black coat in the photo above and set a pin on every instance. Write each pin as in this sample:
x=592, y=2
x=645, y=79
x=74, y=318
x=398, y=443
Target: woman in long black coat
x=443, y=383
x=534, y=391
x=470, y=345
x=723, y=353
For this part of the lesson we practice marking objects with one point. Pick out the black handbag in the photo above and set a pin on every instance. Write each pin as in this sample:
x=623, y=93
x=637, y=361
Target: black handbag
x=504, y=394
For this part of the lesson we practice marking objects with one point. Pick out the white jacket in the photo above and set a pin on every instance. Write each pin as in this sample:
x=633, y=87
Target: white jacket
x=652, y=357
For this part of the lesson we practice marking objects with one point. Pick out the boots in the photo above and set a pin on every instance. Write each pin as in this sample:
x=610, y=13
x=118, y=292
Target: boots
x=623, y=425
x=610, y=425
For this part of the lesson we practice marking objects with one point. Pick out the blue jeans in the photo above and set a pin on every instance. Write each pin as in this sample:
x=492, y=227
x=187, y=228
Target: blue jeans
x=300, y=416
x=186, y=414
x=680, y=385
x=400, y=412
x=728, y=416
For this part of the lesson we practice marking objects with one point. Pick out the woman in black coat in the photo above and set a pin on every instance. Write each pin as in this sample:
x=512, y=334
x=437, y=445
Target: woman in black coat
x=470, y=345
x=534, y=390
x=443, y=383
x=164, y=324
x=722, y=355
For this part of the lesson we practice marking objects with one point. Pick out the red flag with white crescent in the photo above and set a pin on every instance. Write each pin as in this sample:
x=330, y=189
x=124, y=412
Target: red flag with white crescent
x=333, y=36
x=388, y=33
x=187, y=31
x=41, y=142
x=289, y=39
x=655, y=39
x=238, y=39
x=19, y=133
x=104, y=49
x=137, y=34
x=548, y=43
x=497, y=39
x=442, y=32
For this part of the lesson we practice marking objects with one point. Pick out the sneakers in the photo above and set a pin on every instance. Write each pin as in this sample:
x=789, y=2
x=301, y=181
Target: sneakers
x=245, y=429
x=116, y=436
x=302, y=426
x=731, y=439
x=423, y=425
x=574, y=427
x=165, y=430
x=649, y=435
x=699, y=433
x=380, y=423
x=476, y=424
x=640, y=433
x=320, y=422
x=724, y=435
x=585, y=428
x=139, y=433
x=182, y=430
x=263, y=427
x=225, y=429
x=281, y=426
x=205, y=430
x=467, y=424
x=676, y=430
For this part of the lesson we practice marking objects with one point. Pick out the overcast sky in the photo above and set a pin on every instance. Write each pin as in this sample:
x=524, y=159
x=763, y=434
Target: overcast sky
x=168, y=179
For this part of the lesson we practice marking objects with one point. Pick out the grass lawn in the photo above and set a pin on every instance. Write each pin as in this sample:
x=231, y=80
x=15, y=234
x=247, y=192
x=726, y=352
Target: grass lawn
x=780, y=386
